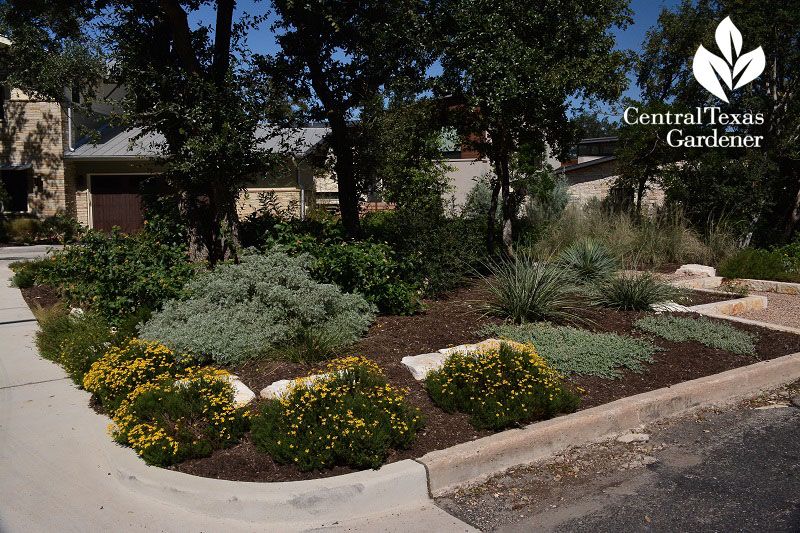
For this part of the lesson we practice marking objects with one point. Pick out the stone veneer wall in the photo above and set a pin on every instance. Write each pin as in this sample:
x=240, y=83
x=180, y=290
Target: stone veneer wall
x=287, y=199
x=35, y=132
x=583, y=193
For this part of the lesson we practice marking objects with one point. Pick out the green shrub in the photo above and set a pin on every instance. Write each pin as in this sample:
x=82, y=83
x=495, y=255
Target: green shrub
x=61, y=228
x=525, y=290
x=589, y=260
x=352, y=417
x=23, y=230
x=776, y=265
x=26, y=272
x=116, y=274
x=166, y=422
x=632, y=292
x=263, y=305
x=707, y=332
x=577, y=351
x=75, y=342
x=500, y=387
x=121, y=369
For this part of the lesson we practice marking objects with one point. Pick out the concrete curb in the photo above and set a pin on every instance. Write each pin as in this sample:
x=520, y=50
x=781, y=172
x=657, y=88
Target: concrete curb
x=767, y=325
x=361, y=494
x=736, y=306
x=474, y=461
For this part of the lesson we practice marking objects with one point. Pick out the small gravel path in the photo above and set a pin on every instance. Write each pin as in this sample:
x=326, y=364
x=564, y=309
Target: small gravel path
x=783, y=309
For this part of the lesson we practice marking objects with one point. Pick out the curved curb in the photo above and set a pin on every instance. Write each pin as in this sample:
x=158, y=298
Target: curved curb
x=350, y=496
x=474, y=461
x=732, y=307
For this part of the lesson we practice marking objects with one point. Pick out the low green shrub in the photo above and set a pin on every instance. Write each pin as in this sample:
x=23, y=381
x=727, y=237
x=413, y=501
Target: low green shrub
x=168, y=421
x=500, y=387
x=750, y=263
x=23, y=230
x=264, y=305
x=574, y=351
x=589, y=260
x=26, y=272
x=352, y=417
x=526, y=290
x=115, y=274
x=121, y=369
x=707, y=332
x=631, y=292
x=76, y=342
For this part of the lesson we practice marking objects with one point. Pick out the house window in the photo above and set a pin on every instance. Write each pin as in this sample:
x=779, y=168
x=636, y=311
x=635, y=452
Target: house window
x=450, y=144
x=16, y=183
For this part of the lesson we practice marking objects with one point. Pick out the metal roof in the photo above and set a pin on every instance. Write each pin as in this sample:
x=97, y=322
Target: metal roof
x=117, y=144
x=592, y=140
x=590, y=163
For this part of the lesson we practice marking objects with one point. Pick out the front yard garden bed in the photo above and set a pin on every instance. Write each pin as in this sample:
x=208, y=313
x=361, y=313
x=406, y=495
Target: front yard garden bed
x=458, y=318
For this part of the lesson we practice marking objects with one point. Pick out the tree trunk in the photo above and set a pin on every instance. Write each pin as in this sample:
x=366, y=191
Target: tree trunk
x=639, y=194
x=490, y=246
x=508, y=214
x=345, y=176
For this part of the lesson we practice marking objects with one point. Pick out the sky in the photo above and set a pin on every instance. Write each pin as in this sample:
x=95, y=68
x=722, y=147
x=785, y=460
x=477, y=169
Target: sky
x=645, y=16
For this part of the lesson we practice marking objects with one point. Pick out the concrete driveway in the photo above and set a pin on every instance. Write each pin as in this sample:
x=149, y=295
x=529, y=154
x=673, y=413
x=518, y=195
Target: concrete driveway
x=56, y=460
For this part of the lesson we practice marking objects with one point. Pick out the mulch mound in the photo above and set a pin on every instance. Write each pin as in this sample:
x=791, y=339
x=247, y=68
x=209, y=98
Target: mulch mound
x=455, y=319
x=40, y=297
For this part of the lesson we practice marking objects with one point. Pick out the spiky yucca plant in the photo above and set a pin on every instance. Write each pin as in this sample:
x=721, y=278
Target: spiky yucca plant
x=589, y=260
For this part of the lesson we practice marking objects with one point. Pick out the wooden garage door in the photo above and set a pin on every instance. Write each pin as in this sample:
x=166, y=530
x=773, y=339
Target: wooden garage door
x=116, y=202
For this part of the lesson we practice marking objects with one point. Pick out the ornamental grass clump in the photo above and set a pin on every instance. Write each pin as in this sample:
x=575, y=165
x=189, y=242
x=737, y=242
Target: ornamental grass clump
x=526, y=290
x=169, y=421
x=267, y=305
x=707, y=332
x=350, y=417
x=632, y=292
x=115, y=375
x=589, y=260
x=500, y=387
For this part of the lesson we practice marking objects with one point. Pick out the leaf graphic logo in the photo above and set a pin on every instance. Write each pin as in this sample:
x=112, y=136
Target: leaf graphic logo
x=734, y=69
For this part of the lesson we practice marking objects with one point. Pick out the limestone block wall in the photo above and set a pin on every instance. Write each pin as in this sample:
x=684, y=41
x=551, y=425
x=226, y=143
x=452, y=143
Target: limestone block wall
x=583, y=193
x=287, y=199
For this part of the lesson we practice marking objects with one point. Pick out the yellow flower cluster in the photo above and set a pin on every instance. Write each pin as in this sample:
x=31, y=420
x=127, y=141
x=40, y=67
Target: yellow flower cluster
x=350, y=416
x=499, y=385
x=167, y=421
x=123, y=368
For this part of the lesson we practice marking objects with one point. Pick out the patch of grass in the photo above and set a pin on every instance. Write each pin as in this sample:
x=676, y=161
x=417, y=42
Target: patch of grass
x=707, y=332
x=580, y=352
x=632, y=292
x=526, y=290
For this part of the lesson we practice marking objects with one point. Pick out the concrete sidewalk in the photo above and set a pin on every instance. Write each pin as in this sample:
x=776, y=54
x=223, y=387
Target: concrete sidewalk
x=57, y=463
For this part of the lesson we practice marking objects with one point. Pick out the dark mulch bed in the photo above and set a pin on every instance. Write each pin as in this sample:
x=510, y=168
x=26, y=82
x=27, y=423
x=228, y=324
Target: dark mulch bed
x=454, y=320
x=40, y=297
x=700, y=297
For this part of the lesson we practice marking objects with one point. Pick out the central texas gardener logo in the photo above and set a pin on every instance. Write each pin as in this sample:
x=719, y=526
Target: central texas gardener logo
x=734, y=69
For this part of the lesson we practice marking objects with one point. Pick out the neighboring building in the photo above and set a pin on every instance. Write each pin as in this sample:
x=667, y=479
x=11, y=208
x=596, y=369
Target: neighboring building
x=594, y=173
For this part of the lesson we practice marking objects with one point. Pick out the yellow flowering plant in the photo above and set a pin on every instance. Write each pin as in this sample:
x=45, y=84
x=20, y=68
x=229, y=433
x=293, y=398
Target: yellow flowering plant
x=500, y=386
x=168, y=421
x=123, y=368
x=349, y=417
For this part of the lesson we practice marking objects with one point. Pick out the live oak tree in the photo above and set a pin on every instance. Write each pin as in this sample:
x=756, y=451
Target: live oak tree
x=514, y=65
x=188, y=83
x=336, y=57
x=665, y=74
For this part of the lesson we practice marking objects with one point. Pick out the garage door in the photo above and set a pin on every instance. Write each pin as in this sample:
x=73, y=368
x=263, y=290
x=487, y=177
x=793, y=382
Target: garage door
x=116, y=202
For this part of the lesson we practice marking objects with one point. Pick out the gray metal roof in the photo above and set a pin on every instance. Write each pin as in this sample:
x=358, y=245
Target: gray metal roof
x=117, y=144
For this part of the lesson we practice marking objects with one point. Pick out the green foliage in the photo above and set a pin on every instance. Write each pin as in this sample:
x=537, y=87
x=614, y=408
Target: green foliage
x=637, y=243
x=589, y=260
x=751, y=263
x=352, y=417
x=500, y=387
x=632, y=292
x=525, y=290
x=167, y=422
x=75, y=342
x=23, y=230
x=115, y=274
x=61, y=228
x=574, y=351
x=25, y=272
x=439, y=252
x=259, y=307
x=713, y=334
